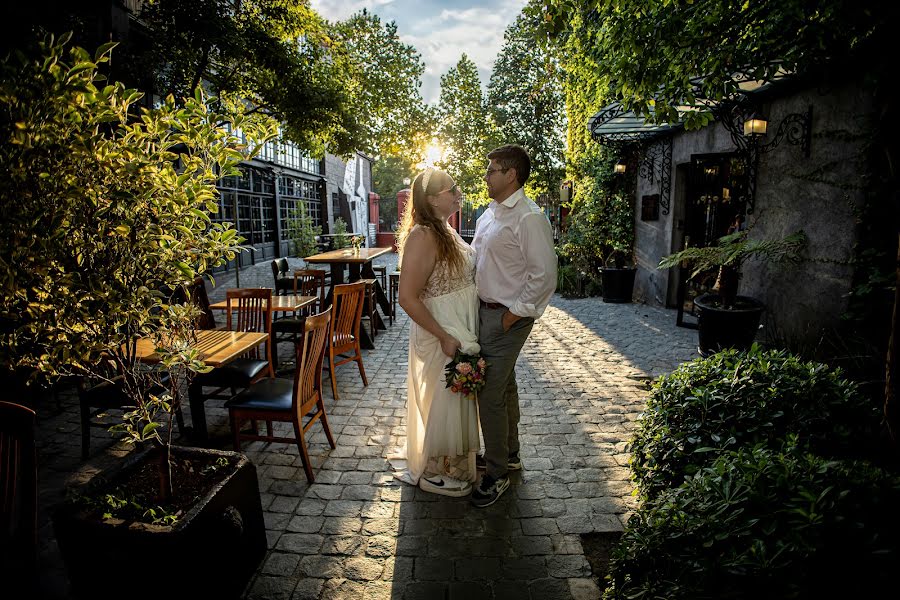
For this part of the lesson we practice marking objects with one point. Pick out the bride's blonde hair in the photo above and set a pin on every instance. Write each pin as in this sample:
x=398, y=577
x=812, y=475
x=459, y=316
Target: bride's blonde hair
x=418, y=211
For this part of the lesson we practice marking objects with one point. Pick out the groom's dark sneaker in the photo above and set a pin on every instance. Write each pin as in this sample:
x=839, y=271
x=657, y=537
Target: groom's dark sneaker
x=489, y=490
x=513, y=463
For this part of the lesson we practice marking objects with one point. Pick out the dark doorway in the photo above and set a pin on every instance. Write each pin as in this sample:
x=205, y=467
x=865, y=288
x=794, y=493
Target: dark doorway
x=716, y=194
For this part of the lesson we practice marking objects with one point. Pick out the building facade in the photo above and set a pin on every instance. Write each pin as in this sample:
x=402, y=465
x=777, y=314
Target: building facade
x=806, y=173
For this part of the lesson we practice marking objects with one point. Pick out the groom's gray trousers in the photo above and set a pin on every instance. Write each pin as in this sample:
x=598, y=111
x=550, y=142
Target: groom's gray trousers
x=498, y=401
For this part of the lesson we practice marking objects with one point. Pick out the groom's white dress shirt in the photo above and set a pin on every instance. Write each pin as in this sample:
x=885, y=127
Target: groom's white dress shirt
x=516, y=261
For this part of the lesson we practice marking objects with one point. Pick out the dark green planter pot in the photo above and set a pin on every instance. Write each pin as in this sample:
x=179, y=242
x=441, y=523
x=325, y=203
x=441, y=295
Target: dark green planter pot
x=212, y=552
x=733, y=328
x=618, y=284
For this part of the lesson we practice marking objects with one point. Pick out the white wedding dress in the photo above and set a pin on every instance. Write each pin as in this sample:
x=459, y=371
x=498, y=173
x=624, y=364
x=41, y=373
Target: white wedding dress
x=441, y=426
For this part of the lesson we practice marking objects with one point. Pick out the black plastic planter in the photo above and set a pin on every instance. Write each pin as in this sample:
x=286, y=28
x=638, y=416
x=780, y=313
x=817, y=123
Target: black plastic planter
x=618, y=284
x=721, y=328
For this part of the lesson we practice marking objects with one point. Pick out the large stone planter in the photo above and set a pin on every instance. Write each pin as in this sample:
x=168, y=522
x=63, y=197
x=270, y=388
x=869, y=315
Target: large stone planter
x=212, y=551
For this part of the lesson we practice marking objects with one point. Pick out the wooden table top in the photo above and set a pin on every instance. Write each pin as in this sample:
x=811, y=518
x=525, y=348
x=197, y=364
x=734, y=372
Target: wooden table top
x=217, y=347
x=346, y=255
x=279, y=303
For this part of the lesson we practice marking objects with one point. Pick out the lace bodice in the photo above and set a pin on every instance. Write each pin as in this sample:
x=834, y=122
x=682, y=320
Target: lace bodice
x=440, y=282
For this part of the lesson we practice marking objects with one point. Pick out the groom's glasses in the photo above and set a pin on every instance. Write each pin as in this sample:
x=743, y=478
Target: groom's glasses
x=488, y=172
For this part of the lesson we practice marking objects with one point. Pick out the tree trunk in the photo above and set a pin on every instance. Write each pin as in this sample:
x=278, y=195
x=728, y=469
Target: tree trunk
x=728, y=285
x=164, y=468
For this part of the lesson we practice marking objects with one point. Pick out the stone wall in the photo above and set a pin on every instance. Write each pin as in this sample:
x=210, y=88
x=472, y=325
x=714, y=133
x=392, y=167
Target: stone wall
x=334, y=179
x=816, y=194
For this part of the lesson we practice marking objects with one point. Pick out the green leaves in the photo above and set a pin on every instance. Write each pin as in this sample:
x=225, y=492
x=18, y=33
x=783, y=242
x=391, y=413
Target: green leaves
x=736, y=399
x=763, y=522
x=98, y=254
x=668, y=55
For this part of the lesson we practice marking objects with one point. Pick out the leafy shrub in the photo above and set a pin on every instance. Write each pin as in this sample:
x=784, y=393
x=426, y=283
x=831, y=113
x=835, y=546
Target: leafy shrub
x=341, y=239
x=760, y=523
x=738, y=399
x=567, y=281
x=600, y=227
x=302, y=232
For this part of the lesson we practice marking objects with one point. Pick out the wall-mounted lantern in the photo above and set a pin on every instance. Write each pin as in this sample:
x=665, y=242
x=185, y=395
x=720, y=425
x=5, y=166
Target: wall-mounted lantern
x=620, y=168
x=755, y=126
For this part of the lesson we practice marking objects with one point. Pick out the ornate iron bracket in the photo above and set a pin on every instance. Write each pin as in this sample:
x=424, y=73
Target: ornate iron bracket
x=659, y=152
x=796, y=128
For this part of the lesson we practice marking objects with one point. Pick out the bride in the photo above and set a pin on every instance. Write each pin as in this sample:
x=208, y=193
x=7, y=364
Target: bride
x=437, y=291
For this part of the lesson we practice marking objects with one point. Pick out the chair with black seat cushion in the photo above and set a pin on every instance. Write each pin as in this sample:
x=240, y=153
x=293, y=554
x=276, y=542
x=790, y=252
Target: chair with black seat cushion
x=196, y=293
x=98, y=395
x=310, y=282
x=247, y=309
x=199, y=296
x=369, y=305
x=307, y=282
x=381, y=273
x=347, y=307
x=393, y=293
x=285, y=400
x=284, y=283
x=18, y=494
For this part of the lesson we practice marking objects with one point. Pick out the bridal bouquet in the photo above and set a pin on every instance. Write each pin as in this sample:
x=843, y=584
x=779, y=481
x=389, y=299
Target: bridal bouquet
x=465, y=374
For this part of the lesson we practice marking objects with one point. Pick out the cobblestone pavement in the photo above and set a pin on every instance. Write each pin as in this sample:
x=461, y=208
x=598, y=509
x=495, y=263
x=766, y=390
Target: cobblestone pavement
x=357, y=533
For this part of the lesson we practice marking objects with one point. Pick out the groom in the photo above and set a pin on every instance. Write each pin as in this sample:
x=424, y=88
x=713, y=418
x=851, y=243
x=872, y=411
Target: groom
x=515, y=276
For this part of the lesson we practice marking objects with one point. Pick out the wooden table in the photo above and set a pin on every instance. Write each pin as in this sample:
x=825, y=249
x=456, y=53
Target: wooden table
x=360, y=267
x=217, y=348
x=279, y=303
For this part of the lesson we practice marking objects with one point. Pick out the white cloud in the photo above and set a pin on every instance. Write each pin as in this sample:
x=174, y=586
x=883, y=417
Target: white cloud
x=338, y=10
x=455, y=27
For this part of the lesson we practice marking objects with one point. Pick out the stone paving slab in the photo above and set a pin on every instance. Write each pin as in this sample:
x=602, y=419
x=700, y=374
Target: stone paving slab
x=358, y=533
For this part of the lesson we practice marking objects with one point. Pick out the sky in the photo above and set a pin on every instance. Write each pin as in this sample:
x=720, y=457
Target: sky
x=441, y=30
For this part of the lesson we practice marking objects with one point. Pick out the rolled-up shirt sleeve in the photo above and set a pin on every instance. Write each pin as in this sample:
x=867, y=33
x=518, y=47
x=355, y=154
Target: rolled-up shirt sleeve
x=537, y=247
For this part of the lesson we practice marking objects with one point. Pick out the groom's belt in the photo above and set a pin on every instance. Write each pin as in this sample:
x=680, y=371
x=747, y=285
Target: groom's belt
x=492, y=305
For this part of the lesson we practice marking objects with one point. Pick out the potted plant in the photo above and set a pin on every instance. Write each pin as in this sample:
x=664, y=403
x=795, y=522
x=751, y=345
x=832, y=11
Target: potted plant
x=302, y=232
x=106, y=212
x=341, y=238
x=725, y=319
x=599, y=237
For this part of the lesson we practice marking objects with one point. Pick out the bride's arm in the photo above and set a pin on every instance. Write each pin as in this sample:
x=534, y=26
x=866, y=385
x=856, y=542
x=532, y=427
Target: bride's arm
x=419, y=258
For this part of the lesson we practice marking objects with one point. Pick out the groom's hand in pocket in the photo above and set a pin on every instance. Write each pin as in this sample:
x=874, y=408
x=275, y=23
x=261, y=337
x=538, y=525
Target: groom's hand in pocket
x=508, y=320
x=449, y=345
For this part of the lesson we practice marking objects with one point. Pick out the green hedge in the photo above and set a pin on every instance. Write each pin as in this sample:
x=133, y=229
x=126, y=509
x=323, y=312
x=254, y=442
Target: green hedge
x=761, y=523
x=734, y=400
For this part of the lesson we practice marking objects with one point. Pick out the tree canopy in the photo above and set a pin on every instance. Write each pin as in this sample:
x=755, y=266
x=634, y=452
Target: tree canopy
x=465, y=128
x=385, y=82
x=275, y=55
x=526, y=100
x=659, y=57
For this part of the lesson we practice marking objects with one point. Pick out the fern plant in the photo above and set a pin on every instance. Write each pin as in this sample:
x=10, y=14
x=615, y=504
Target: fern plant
x=730, y=252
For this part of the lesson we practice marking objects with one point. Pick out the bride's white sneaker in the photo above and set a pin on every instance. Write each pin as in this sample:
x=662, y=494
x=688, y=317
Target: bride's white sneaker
x=446, y=486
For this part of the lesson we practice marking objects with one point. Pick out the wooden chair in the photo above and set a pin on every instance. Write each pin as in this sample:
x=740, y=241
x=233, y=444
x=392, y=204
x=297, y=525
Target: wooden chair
x=201, y=299
x=18, y=493
x=347, y=306
x=283, y=400
x=393, y=293
x=307, y=282
x=369, y=305
x=96, y=397
x=251, y=306
x=196, y=293
x=283, y=283
x=311, y=282
x=381, y=273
